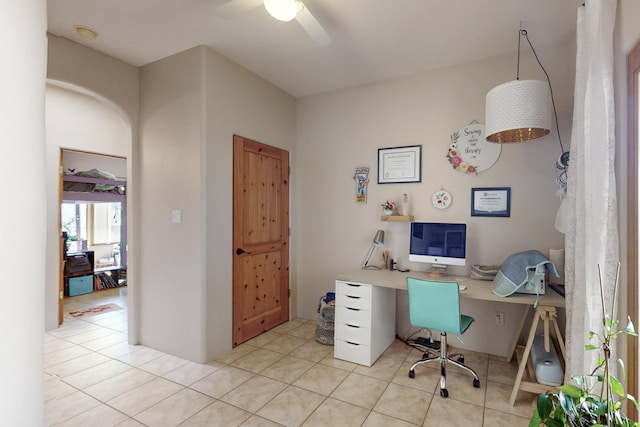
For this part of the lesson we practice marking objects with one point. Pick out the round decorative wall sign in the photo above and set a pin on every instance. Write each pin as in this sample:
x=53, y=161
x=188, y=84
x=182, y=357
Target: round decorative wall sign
x=470, y=152
x=441, y=199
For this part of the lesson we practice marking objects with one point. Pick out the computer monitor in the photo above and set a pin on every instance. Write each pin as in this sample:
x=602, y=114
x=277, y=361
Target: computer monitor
x=439, y=244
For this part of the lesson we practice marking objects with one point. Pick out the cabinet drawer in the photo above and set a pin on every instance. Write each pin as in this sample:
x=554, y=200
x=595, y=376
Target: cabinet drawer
x=80, y=285
x=356, y=353
x=353, y=302
x=354, y=290
x=353, y=316
x=353, y=334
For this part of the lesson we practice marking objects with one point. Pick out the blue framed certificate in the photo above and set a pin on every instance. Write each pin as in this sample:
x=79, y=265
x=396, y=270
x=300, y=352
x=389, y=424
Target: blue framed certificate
x=495, y=201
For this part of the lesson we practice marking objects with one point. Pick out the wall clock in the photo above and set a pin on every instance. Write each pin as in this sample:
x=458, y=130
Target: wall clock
x=441, y=199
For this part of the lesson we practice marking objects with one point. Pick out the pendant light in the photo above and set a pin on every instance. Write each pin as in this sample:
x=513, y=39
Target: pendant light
x=519, y=110
x=283, y=10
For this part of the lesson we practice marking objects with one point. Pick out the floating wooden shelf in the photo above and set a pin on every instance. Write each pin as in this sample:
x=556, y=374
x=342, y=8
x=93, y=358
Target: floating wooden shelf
x=397, y=218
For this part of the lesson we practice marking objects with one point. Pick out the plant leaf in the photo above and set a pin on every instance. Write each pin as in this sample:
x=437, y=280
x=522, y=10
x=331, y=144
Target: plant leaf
x=535, y=420
x=550, y=422
x=571, y=391
x=590, y=347
x=544, y=405
x=565, y=401
x=622, y=368
x=616, y=386
x=600, y=407
x=630, y=329
x=633, y=399
x=579, y=379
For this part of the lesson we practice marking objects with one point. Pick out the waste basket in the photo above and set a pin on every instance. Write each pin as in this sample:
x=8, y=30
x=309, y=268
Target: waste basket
x=326, y=317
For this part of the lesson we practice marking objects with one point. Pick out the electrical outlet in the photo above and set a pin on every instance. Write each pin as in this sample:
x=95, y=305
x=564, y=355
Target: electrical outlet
x=499, y=318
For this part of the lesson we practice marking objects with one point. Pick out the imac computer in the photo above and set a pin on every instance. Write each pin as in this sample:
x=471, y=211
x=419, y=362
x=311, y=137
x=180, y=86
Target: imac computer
x=439, y=244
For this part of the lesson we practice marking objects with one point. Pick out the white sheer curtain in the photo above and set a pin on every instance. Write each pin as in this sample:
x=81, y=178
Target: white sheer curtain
x=591, y=237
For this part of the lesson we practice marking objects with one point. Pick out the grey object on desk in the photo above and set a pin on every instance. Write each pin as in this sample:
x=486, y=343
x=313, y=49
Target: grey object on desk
x=484, y=272
x=514, y=273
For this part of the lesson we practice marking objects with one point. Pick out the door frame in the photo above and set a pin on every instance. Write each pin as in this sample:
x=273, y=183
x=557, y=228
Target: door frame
x=633, y=86
x=238, y=230
x=124, y=233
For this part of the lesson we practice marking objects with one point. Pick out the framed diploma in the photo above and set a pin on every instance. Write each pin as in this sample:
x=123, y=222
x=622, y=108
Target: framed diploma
x=400, y=164
x=491, y=201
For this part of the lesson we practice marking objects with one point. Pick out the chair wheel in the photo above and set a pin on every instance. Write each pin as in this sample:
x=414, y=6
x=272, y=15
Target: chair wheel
x=444, y=392
x=476, y=383
x=412, y=374
x=461, y=359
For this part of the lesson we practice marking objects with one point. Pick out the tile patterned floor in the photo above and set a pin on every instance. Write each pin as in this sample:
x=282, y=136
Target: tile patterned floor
x=283, y=377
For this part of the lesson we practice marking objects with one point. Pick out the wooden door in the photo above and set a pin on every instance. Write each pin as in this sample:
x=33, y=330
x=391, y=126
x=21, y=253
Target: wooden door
x=260, y=238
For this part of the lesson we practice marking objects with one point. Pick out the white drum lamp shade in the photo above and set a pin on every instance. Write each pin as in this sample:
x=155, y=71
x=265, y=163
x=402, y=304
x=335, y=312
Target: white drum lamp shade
x=518, y=111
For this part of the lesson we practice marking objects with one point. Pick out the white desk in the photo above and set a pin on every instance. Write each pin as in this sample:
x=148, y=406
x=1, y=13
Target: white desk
x=364, y=330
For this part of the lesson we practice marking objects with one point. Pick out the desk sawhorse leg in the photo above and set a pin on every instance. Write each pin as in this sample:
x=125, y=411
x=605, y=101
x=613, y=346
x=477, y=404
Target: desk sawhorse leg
x=549, y=316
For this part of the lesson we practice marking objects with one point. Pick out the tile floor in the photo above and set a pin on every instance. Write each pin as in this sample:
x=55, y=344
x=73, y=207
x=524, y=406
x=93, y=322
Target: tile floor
x=92, y=377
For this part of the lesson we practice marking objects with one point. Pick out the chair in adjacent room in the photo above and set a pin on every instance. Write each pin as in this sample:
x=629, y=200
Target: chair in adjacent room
x=436, y=305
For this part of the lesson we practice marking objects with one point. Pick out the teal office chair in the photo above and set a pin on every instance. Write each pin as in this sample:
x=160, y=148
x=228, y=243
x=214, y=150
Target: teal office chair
x=436, y=305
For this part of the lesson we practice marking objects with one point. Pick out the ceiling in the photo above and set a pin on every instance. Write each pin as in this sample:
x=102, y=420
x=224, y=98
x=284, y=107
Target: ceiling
x=372, y=40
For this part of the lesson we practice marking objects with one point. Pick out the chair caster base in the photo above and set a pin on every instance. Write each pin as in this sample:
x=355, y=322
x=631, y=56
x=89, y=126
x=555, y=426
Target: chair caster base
x=412, y=374
x=444, y=392
x=476, y=383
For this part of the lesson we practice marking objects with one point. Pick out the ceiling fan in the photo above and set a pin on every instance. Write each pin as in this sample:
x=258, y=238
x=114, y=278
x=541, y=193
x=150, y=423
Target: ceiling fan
x=282, y=10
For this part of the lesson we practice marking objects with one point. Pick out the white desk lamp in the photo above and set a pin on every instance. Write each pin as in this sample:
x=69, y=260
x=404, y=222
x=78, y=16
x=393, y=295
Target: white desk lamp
x=378, y=240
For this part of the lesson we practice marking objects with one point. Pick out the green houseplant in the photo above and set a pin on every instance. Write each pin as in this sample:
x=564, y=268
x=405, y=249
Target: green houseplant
x=596, y=399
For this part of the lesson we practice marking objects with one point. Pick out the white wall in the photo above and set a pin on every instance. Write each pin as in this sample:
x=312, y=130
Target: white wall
x=340, y=131
x=191, y=105
x=171, y=134
x=22, y=117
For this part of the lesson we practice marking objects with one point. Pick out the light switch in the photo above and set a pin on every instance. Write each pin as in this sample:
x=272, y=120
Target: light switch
x=176, y=216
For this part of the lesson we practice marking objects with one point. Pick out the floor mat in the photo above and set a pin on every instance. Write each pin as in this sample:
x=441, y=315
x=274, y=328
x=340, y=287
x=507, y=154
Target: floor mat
x=95, y=310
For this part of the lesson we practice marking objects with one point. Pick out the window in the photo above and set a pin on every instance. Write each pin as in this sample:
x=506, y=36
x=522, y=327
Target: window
x=88, y=224
x=74, y=223
x=106, y=223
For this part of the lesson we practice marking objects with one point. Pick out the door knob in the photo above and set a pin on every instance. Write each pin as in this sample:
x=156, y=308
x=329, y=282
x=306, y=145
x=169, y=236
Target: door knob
x=241, y=251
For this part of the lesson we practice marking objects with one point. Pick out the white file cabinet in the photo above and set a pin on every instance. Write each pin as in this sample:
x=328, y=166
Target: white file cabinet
x=359, y=336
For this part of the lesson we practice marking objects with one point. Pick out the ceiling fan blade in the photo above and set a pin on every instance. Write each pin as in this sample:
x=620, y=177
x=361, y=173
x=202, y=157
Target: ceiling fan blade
x=313, y=27
x=236, y=7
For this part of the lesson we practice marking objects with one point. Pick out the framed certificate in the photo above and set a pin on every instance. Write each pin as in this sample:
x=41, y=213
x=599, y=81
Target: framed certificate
x=400, y=164
x=491, y=201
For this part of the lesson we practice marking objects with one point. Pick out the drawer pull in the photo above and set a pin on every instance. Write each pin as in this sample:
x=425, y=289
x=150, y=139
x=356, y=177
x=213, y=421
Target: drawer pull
x=355, y=286
x=353, y=309
x=353, y=297
x=352, y=343
x=352, y=326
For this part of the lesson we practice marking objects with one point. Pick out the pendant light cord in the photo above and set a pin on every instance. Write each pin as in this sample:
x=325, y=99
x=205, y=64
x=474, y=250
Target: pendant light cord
x=553, y=103
x=518, y=63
